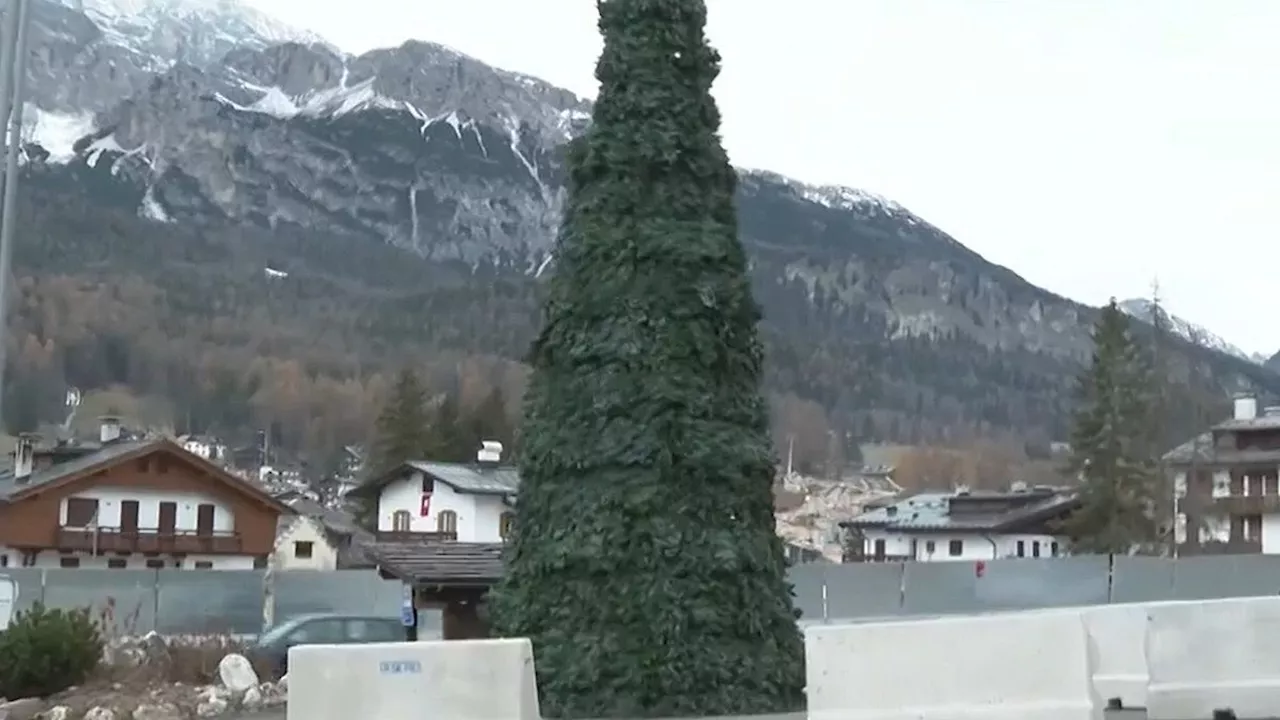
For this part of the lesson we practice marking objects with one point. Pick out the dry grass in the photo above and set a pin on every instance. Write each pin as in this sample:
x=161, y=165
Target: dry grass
x=190, y=659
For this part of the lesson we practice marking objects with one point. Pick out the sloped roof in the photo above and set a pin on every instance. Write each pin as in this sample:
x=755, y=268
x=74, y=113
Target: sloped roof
x=9, y=485
x=477, y=479
x=474, y=479
x=932, y=511
x=113, y=453
x=439, y=563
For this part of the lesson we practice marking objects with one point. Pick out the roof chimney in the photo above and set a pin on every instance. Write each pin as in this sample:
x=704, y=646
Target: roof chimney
x=1246, y=407
x=24, y=457
x=490, y=453
x=108, y=429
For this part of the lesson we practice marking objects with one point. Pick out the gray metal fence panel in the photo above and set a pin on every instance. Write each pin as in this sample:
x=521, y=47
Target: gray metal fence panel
x=357, y=592
x=216, y=601
x=1023, y=583
x=122, y=601
x=870, y=589
x=807, y=581
x=210, y=602
x=933, y=588
x=1210, y=577
x=1142, y=579
x=30, y=587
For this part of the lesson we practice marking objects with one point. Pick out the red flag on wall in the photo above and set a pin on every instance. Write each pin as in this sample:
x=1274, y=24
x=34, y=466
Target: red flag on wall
x=426, y=504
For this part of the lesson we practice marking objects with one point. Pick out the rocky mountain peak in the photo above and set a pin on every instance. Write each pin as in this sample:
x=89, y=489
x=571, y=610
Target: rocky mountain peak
x=198, y=32
x=1146, y=311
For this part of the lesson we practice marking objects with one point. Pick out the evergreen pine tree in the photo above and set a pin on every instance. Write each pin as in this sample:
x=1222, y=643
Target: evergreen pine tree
x=1114, y=445
x=489, y=421
x=402, y=432
x=450, y=442
x=645, y=567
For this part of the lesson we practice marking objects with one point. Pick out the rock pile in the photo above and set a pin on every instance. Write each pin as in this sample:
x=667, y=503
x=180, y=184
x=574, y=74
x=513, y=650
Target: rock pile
x=238, y=688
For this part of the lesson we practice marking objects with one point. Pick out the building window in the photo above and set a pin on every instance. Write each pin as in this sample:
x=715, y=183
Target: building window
x=879, y=549
x=1252, y=527
x=4, y=560
x=400, y=520
x=69, y=562
x=162, y=464
x=143, y=464
x=117, y=564
x=428, y=484
x=447, y=521
x=204, y=565
x=956, y=548
x=506, y=523
x=1022, y=548
x=155, y=564
x=930, y=547
x=1053, y=549
x=1035, y=549
x=302, y=549
x=81, y=511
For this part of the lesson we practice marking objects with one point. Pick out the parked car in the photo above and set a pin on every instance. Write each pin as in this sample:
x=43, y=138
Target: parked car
x=272, y=648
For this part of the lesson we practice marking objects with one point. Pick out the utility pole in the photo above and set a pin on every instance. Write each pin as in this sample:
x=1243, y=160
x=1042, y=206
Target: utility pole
x=13, y=79
x=1160, y=374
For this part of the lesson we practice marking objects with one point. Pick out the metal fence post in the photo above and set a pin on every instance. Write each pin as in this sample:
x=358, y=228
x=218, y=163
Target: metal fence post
x=155, y=602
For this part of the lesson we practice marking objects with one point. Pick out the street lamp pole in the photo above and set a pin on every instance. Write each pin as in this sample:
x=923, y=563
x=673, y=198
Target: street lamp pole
x=13, y=77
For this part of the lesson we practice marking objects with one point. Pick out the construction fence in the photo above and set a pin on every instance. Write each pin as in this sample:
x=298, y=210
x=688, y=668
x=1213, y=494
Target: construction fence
x=131, y=602
x=199, y=602
x=833, y=592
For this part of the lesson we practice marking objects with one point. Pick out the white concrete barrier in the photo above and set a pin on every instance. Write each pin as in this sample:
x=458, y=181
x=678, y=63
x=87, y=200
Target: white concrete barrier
x=1016, y=666
x=1211, y=655
x=1117, y=640
x=452, y=680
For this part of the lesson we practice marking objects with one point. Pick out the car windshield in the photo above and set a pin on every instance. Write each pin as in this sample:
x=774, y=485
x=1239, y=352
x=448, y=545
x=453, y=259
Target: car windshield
x=275, y=634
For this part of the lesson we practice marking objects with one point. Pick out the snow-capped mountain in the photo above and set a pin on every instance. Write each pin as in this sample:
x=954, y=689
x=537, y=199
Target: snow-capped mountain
x=198, y=32
x=186, y=112
x=1145, y=310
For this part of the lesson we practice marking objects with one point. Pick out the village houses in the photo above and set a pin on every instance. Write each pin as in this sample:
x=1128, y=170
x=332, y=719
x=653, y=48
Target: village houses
x=125, y=502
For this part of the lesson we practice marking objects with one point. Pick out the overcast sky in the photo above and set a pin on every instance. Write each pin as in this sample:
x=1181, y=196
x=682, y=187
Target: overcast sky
x=1090, y=145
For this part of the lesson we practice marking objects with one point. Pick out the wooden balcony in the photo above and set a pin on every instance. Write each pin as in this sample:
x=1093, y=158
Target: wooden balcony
x=1230, y=547
x=405, y=536
x=1245, y=505
x=107, y=539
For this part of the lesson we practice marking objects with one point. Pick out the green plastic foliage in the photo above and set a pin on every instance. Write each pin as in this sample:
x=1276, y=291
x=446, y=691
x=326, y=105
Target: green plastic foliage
x=646, y=569
x=46, y=651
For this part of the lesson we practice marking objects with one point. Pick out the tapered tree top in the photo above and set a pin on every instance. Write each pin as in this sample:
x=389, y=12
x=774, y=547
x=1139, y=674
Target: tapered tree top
x=645, y=566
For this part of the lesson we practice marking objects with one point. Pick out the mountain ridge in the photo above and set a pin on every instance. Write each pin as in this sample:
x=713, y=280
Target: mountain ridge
x=887, y=322
x=1145, y=310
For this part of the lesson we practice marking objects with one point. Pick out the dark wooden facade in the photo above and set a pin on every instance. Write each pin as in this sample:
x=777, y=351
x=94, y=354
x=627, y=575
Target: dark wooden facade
x=1232, y=479
x=30, y=514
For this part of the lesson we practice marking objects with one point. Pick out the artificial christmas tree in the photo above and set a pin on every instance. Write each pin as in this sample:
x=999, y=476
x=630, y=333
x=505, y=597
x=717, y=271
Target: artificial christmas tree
x=645, y=567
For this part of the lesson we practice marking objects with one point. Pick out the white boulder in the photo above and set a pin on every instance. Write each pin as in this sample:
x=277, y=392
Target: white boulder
x=237, y=673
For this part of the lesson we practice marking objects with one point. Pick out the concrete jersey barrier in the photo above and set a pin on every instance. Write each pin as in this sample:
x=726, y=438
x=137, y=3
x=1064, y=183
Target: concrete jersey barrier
x=1213, y=655
x=1019, y=666
x=1117, y=635
x=452, y=680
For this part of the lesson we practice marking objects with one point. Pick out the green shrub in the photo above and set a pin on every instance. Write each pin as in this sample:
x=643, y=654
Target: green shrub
x=44, y=651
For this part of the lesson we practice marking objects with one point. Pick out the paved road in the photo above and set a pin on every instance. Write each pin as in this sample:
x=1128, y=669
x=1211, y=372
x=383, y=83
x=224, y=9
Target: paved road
x=280, y=715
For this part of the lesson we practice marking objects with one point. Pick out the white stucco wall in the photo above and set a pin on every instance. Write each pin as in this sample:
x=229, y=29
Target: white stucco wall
x=109, y=504
x=479, y=516
x=973, y=546
x=110, y=499
x=324, y=556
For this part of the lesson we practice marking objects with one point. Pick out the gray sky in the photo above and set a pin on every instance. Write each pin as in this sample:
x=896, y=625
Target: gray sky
x=1090, y=145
